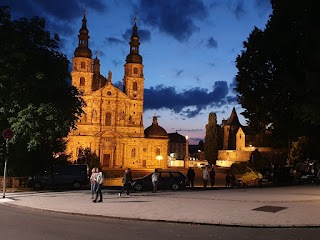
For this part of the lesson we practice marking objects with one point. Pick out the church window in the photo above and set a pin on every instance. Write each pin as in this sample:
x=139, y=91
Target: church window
x=108, y=119
x=94, y=114
x=82, y=81
x=109, y=93
x=135, y=86
x=133, y=153
x=240, y=136
x=135, y=70
x=83, y=65
x=158, y=152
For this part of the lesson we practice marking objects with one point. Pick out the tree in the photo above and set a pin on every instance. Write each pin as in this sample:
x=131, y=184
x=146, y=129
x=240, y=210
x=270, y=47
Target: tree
x=201, y=145
x=36, y=101
x=279, y=69
x=300, y=150
x=212, y=139
x=85, y=156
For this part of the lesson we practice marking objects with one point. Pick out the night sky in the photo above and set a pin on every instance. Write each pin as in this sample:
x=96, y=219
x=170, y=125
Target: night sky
x=188, y=47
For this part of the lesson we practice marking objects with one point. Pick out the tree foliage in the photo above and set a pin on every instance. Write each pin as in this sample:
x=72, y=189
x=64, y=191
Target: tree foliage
x=86, y=156
x=212, y=139
x=36, y=101
x=278, y=71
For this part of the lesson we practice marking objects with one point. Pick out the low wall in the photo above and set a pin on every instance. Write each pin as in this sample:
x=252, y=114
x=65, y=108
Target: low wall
x=234, y=155
x=15, y=182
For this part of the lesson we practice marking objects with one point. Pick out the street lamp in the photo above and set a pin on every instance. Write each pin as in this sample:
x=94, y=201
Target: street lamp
x=159, y=158
x=186, y=160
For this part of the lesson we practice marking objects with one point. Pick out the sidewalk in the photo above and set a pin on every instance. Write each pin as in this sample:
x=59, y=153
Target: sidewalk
x=294, y=206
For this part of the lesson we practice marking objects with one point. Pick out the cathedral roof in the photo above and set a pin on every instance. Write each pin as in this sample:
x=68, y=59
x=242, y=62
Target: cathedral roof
x=155, y=131
x=233, y=119
x=176, y=137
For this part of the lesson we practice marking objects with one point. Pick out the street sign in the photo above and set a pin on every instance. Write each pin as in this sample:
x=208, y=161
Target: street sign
x=7, y=134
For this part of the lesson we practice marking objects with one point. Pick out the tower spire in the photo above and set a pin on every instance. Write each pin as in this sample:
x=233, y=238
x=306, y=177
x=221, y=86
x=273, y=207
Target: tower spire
x=83, y=49
x=134, y=56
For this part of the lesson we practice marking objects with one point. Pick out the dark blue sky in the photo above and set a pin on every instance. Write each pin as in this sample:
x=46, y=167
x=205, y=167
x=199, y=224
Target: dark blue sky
x=188, y=47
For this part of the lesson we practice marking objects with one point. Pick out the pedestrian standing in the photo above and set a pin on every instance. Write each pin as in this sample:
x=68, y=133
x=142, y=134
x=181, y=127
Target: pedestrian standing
x=191, y=176
x=93, y=182
x=99, y=180
x=233, y=180
x=212, y=174
x=228, y=180
x=126, y=181
x=205, y=176
x=155, y=179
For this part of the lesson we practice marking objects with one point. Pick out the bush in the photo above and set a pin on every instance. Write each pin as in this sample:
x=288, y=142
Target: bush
x=239, y=168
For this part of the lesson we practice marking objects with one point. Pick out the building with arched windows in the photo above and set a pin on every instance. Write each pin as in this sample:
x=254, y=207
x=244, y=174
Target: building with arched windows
x=112, y=123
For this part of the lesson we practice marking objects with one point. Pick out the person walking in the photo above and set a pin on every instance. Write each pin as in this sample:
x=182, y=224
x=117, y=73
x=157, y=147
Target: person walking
x=126, y=181
x=205, y=176
x=155, y=179
x=99, y=181
x=212, y=175
x=191, y=176
x=93, y=182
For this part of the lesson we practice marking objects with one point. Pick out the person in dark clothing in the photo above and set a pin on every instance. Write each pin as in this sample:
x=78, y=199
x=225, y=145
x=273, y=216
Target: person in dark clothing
x=191, y=176
x=233, y=180
x=212, y=175
x=127, y=178
x=228, y=180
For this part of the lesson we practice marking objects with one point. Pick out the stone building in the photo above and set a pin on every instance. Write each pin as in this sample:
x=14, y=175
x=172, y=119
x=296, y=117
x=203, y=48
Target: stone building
x=177, y=146
x=239, y=142
x=112, y=125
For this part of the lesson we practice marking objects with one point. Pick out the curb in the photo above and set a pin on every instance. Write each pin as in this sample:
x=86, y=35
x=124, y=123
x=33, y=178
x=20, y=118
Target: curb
x=238, y=225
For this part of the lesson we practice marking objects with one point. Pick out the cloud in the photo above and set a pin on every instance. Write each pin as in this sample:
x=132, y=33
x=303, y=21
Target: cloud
x=144, y=35
x=114, y=40
x=59, y=14
x=179, y=72
x=189, y=102
x=238, y=9
x=212, y=43
x=176, y=18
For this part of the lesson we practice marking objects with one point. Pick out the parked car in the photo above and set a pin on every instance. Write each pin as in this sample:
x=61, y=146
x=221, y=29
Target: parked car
x=73, y=175
x=174, y=180
x=251, y=178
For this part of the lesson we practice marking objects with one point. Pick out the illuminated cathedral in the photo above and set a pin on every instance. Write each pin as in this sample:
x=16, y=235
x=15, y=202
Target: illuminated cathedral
x=112, y=123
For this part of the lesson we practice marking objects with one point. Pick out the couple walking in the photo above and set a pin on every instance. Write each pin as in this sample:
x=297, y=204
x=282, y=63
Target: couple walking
x=96, y=180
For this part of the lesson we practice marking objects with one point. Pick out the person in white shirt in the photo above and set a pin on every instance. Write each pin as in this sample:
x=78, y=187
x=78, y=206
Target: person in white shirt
x=155, y=179
x=93, y=182
x=205, y=176
x=99, y=181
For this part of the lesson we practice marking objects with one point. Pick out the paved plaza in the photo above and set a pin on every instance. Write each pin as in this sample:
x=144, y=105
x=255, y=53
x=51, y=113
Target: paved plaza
x=293, y=206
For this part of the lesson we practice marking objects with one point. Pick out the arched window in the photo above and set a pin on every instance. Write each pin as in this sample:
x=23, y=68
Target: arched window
x=158, y=152
x=135, y=86
x=135, y=70
x=108, y=119
x=83, y=65
x=82, y=81
x=133, y=153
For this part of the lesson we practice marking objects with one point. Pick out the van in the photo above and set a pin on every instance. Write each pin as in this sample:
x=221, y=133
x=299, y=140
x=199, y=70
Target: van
x=73, y=175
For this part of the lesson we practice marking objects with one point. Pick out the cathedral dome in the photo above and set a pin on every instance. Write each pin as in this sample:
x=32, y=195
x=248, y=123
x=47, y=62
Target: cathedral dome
x=82, y=51
x=155, y=131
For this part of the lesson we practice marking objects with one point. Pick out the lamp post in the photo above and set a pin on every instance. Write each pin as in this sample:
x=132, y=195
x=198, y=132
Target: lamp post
x=159, y=158
x=186, y=160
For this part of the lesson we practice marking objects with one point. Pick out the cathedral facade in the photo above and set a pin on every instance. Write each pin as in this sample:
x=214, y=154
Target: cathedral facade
x=112, y=123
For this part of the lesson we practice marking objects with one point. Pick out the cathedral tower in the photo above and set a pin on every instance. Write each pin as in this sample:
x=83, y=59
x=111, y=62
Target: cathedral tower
x=81, y=73
x=133, y=81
